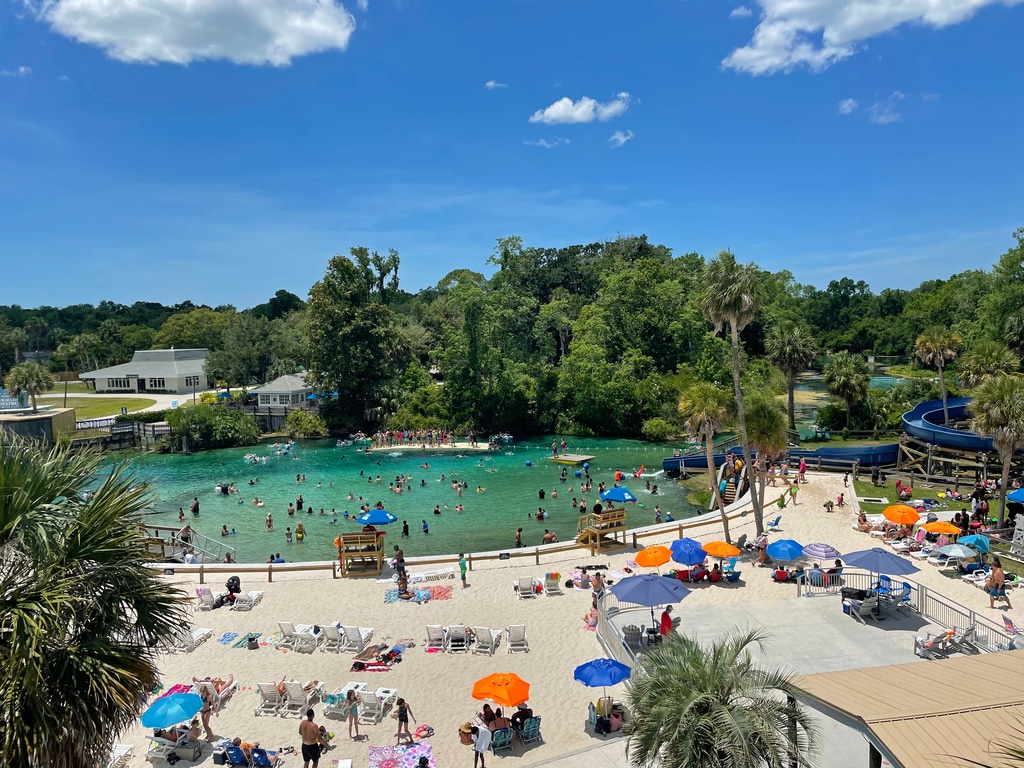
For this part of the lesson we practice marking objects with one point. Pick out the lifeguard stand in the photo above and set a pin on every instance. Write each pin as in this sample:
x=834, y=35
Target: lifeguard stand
x=361, y=553
x=603, y=532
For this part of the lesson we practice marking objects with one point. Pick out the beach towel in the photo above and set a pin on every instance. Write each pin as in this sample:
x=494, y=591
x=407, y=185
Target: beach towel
x=440, y=593
x=402, y=756
x=271, y=641
x=244, y=641
x=179, y=688
x=227, y=638
x=371, y=666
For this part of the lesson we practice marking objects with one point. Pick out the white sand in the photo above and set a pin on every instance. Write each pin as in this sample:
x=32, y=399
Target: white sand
x=437, y=686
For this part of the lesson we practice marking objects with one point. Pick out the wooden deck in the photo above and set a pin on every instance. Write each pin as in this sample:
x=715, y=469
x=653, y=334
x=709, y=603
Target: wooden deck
x=571, y=458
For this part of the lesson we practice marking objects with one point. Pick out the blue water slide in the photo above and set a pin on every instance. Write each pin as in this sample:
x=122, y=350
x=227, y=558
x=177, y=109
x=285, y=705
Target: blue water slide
x=924, y=421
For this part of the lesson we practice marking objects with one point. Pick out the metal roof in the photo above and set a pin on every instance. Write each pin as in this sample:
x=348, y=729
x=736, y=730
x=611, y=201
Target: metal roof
x=155, y=363
x=283, y=385
x=940, y=714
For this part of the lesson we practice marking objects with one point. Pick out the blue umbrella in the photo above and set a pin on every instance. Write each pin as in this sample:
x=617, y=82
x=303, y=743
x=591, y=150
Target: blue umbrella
x=878, y=560
x=618, y=494
x=171, y=710
x=820, y=552
x=223, y=395
x=649, y=589
x=313, y=396
x=376, y=517
x=785, y=549
x=1016, y=496
x=975, y=540
x=688, y=552
x=601, y=672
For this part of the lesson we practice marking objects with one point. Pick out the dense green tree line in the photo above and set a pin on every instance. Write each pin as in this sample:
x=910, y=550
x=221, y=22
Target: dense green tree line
x=589, y=339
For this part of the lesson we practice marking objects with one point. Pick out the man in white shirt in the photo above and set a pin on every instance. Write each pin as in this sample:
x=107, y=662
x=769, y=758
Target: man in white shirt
x=481, y=743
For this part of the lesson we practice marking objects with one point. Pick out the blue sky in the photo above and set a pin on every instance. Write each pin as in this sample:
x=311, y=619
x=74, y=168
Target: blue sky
x=221, y=150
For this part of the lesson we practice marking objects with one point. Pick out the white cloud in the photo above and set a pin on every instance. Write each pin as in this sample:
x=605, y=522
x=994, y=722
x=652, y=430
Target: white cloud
x=887, y=110
x=619, y=138
x=241, y=31
x=364, y=5
x=547, y=144
x=492, y=84
x=586, y=110
x=846, y=106
x=740, y=13
x=16, y=72
x=818, y=33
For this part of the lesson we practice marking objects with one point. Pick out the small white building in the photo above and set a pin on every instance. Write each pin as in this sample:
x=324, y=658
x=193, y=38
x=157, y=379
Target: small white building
x=176, y=371
x=289, y=391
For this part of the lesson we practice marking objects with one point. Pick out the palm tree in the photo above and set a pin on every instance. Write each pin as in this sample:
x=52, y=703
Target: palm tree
x=82, y=613
x=766, y=425
x=998, y=409
x=706, y=408
x=847, y=378
x=712, y=707
x=984, y=359
x=731, y=293
x=790, y=348
x=935, y=346
x=31, y=378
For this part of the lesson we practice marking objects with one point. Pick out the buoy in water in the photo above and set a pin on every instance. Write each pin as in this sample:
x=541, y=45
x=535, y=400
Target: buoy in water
x=578, y=473
x=529, y=463
x=586, y=465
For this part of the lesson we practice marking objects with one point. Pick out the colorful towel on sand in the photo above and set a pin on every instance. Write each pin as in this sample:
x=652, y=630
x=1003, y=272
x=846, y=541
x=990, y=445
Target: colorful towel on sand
x=271, y=641
x=244, y=641
x=401, y=757
x=423, y=594
x=227, y=638
x=372, y=666
x=179, y=688
x=440, y=593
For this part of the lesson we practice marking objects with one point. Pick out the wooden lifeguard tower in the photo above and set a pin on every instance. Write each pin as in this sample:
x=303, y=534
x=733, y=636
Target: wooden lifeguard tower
x=361, y=554
x=604, y=531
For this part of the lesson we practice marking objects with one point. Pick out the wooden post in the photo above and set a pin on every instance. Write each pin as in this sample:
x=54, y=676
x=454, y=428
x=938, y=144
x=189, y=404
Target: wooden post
x=536, y=554
x=470, y=561
x=202, y=574
x=270, y=573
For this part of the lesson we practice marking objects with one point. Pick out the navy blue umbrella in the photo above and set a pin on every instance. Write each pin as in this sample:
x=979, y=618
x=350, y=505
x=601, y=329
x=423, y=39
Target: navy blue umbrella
x=785, y=549
x=376, y=517
x=618, y=494
x=649, y=589
x=878, y=560
x=688, y=552
x=171, y=710
x=601, y=672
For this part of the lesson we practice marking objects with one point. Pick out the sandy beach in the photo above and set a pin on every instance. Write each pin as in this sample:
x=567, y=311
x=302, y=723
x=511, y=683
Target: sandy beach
x=437, y=686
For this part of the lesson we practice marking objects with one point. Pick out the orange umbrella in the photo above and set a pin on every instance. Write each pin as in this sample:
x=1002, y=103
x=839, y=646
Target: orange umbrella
x=941, y=526
x=721, y=549
x=503, y=688
x=652, y=557
x=901, y=514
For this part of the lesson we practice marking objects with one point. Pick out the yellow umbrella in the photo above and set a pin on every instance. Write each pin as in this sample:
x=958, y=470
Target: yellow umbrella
x=721, y=549
x=652, y=557
x=941, y=526
x=901, y=514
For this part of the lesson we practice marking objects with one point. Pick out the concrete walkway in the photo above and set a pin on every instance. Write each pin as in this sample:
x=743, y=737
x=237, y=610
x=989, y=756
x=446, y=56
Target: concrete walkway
x=163, y=402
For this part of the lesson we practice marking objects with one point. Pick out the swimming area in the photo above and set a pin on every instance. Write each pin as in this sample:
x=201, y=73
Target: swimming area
x=489, y=519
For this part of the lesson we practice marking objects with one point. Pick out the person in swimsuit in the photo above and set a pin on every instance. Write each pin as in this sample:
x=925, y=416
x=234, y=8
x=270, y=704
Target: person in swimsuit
x=311, y=741
x=404, y=713
x=352, y=699
x=205, y=713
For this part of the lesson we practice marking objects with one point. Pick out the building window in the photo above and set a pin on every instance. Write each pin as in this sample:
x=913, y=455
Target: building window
x=297, y=399
x=118, y=384
x=191, y=381
x=264, y=399
x=156, y=384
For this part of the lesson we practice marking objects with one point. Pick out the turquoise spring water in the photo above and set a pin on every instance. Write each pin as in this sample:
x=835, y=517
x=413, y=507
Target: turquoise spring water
x=488, y=522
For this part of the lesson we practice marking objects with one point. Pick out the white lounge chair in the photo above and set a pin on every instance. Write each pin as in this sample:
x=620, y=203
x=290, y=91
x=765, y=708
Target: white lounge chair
x=297, y=699
x=515, y=641
x=551, y=586
x=218, y=699
x=387, y=697
x=333, y=639
x=356, y=638
x=120, y=756
x=208, y=600
x=187, y=640
x=161, y=747
x=437, y=637
x=246, y=601
x=524, y=587
x=271, y=699
x=487, y=640
x=458, y=639
x=307, y=640
x=371, y=709
x=296, y=636
x=438, y=574
x=336, y=702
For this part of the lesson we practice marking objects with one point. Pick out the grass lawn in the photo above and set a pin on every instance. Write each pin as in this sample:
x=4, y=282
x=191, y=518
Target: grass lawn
x=74, y=387
x=101, y=407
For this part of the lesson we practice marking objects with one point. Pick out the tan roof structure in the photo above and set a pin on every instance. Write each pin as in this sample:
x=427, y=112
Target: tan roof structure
x=940, y=714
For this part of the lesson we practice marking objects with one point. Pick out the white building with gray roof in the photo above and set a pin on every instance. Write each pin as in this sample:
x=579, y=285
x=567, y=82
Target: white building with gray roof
x=177, y=371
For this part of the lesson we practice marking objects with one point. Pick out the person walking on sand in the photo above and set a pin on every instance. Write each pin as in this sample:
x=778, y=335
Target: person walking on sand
x=996, y=585
x=352, y=700
x=404, y=712
x=481, y=743
x=463, y=567
x=309, y=732
x=793, y=491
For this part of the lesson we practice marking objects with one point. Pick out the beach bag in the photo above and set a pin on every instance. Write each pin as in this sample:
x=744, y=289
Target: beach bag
x=253, y=644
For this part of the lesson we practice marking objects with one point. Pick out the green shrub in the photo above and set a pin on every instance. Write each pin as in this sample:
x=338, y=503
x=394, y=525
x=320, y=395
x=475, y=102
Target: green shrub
x=305, y=424
x=657, y=430
x=143, y=417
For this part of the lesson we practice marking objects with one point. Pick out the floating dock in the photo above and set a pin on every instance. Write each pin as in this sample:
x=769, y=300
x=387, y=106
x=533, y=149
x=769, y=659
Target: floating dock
x=571, y=458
